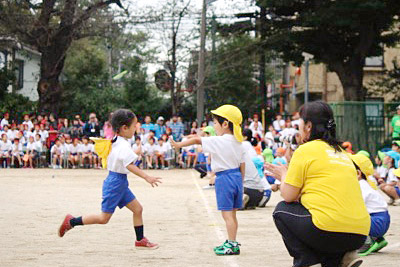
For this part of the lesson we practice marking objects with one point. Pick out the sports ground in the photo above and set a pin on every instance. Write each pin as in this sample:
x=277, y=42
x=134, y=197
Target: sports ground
x=179, y=215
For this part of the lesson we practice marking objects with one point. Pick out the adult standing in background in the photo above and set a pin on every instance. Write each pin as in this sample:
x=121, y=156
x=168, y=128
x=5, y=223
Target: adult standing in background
x=395, y=124
x=176, y=128
x=107, y=128
x=323, y=218
x=92, y=127
x=159, y=127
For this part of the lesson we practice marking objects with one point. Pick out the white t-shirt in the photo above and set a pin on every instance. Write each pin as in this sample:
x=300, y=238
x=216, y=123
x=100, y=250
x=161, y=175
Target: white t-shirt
x=88, y=148
x=296, y=123
x=121, y=156
x=44, y=135
x=162, y=149
x=5, y=146
x=391, y=177
x=149, y=149
x=38, y=146
x=226, y=152
x=288, y=132
x=381, y=171
x=259, y=127
x=278, y=124
x=374, y=201
x=31, y=146
x=9, y=133
x=29, y=123
x=74, y=149
x=135, y=148
x=252, y=178
x=3, y=122
x=17, y=148
x=57, y=150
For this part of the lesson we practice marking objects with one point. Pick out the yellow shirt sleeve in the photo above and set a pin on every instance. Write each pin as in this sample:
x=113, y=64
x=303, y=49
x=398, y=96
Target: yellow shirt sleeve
x=297, y=169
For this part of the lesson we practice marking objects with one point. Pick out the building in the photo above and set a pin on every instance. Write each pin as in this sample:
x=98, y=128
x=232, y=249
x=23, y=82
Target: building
x=326, y=85
x=26, y=64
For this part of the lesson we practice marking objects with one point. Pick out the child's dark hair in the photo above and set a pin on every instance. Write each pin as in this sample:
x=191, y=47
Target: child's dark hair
x=122, y=117
x=249, y=134
x=323, y=127
x=85, y=138
x=138, y=138
x=221, y=121
x=362, y=174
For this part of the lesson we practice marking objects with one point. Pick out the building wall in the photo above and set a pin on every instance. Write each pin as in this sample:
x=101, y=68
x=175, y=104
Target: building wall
x=319, y=78
x=31, y=74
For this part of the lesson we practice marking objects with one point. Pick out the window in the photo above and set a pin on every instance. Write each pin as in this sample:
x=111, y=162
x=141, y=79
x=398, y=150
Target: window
x=3, y=59
x=19, y=73
x=374, y=61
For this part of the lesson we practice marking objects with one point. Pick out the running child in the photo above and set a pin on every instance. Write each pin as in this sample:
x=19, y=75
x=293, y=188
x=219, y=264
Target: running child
x=228, y=162
x=116, y=192
x=376, y=206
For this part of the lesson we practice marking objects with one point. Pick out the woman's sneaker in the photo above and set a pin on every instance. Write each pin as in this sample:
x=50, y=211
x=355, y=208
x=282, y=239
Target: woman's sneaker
x=351, y=259
x=228, y=248
x=145, y=244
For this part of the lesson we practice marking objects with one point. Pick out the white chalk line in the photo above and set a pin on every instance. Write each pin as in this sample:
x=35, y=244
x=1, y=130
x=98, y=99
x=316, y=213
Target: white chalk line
x=229, y=260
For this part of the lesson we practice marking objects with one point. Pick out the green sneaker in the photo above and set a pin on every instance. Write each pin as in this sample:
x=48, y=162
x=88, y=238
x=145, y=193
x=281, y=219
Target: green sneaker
x=366, y=246
x=228, y=248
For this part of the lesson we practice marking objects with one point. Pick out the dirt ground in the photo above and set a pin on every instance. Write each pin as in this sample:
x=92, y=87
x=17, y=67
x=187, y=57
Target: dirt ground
x=179, y=215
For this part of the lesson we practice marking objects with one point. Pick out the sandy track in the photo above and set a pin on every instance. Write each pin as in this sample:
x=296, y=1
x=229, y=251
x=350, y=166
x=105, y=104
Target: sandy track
x=178, y=215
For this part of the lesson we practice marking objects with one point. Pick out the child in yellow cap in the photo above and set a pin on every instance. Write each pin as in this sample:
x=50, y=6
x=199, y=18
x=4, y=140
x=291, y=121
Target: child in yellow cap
x=228, y=157
x=376, y=206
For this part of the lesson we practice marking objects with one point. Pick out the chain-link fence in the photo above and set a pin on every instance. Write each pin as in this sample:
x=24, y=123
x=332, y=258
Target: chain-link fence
x=365, y=124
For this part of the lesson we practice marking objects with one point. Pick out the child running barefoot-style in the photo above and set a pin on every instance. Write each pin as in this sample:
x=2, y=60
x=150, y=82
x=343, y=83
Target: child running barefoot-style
x=376, y=206
x=116, y=192
x=228, y=157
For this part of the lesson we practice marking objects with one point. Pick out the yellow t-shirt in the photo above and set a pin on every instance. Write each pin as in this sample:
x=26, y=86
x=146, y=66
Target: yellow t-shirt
x=329, y=188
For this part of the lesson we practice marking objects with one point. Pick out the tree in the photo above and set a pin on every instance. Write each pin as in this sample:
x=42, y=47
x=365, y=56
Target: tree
x=387, y=85
x=51, y=26
x=339, y=33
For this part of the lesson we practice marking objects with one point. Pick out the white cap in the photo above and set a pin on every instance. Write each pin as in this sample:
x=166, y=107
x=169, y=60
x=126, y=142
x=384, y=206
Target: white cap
x=398, y=107
x=161, y=118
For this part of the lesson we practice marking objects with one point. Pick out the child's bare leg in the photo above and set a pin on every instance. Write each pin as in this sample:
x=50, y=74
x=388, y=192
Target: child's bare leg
x=231, y=224
x=102, y=218
x=137, y=210
x=12, y=159
x=162, y=161
x=31, y=161
x=390, y=191
x=90, y=160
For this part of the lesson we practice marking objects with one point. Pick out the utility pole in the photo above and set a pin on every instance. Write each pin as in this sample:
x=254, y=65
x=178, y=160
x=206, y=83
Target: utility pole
x=307, y=58
x=201, y=69
x=263, y=87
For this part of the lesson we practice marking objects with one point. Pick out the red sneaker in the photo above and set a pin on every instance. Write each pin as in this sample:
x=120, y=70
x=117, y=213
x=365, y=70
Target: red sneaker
x=65, y=226
x=145, y=244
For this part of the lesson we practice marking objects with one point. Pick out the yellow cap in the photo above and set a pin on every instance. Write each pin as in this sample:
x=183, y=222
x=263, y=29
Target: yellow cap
x=364, y=164
x=397, y=172
x=234, y=115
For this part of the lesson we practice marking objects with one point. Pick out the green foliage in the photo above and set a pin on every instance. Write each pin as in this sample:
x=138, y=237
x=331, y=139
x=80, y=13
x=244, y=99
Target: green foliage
x=232, y=78
x=6, y=79
x=17, y=105
x=387, y=84
x=339, y=33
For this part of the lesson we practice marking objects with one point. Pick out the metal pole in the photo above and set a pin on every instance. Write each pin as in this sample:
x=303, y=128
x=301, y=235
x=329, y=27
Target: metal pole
x=201, y=69
x=263, y=87
x=307, y=85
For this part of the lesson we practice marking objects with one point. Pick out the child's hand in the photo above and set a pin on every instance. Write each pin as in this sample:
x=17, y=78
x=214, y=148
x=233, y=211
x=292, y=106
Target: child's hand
x=174, y=144
x=154, y=181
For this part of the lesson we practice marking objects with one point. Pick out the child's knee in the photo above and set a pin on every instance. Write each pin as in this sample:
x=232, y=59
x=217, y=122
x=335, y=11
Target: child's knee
x=104, y=219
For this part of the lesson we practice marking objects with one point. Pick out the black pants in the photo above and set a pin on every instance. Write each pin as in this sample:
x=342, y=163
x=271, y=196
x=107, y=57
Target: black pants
x=307, y=244
x=201, y=168
x=255, y=197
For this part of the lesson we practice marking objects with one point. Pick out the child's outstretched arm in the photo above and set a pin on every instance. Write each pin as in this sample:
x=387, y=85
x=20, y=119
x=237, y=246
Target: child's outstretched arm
x=192, y=140
x=243, y=169
x=154, y=181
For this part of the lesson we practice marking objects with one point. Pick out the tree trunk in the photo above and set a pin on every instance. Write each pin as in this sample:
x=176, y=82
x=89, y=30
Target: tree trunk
x=174, y=93
x=51, y=66
x=351, y=76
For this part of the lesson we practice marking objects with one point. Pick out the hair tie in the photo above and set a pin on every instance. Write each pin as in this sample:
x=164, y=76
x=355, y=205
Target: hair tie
x=331, y=124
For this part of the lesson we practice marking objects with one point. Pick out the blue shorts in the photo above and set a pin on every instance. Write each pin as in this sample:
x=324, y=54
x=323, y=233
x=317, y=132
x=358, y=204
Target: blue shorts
x=380, y=222
x=116, y=192
x=397, y=190
x=229, y=189
x=271, y=180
